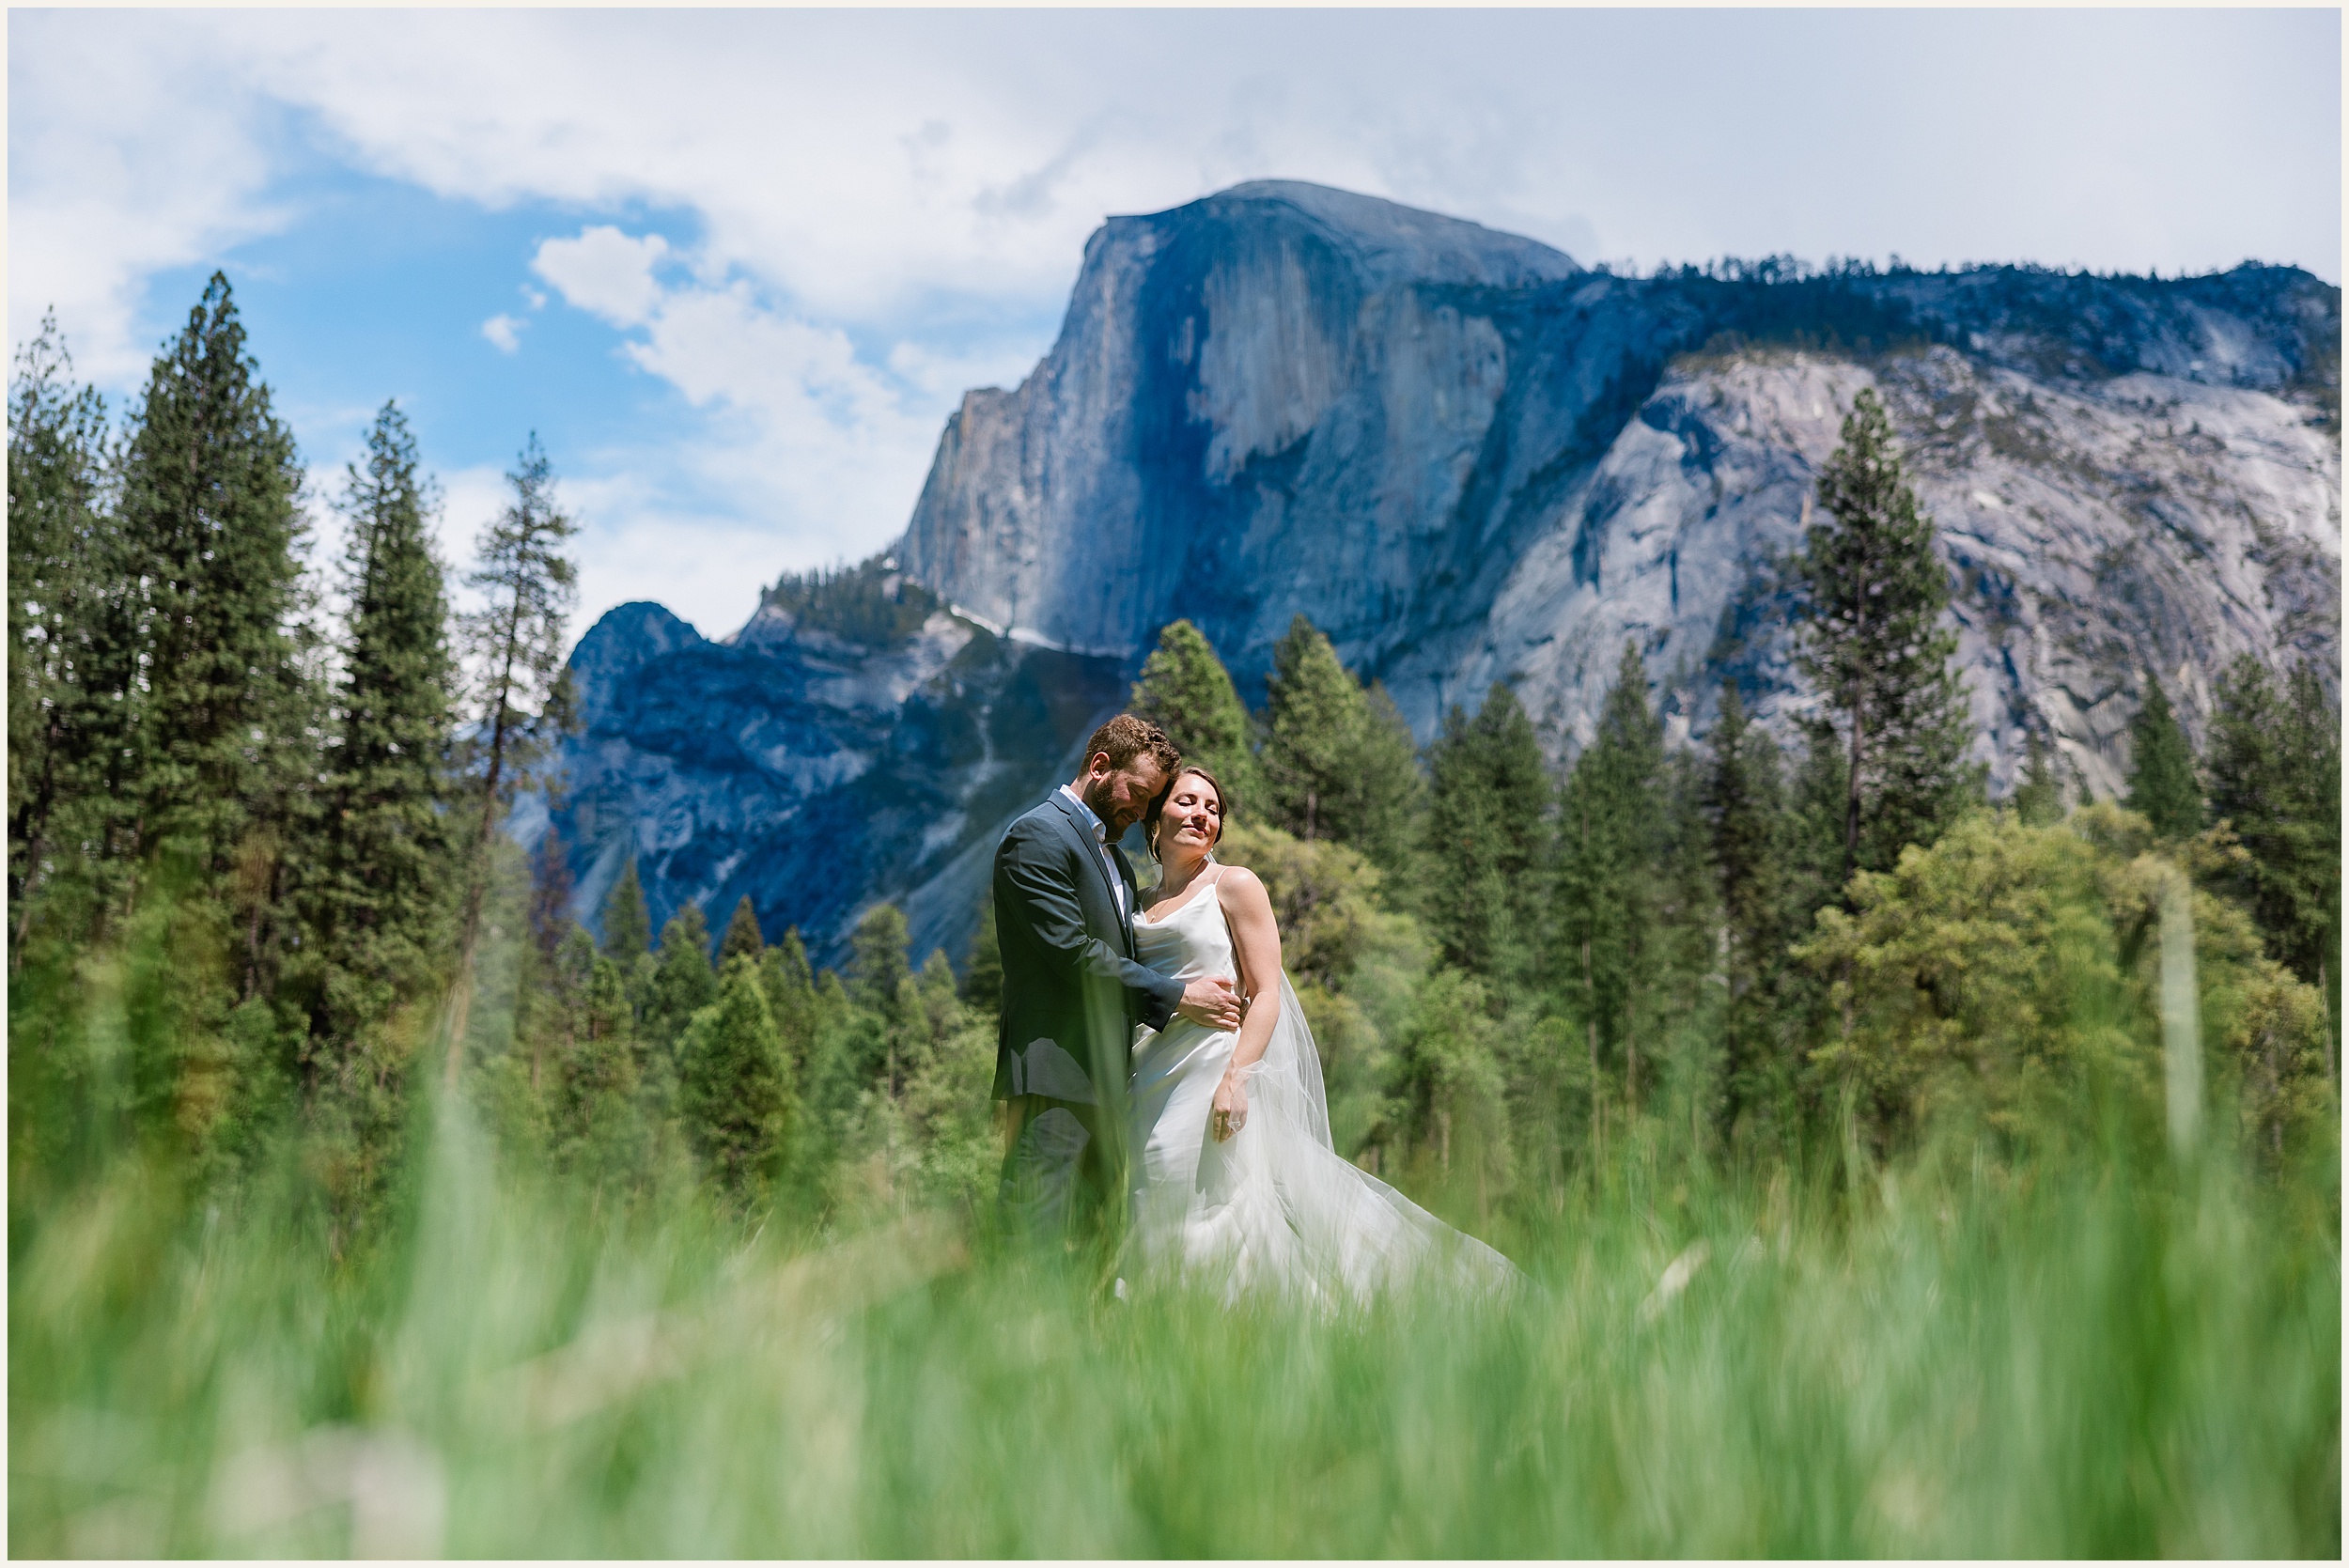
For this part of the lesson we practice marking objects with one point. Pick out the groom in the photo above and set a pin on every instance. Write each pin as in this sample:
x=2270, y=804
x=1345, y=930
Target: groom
x=1073, y=988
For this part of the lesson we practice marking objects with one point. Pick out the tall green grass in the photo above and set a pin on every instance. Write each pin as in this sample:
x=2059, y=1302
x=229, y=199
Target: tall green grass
x=2100, y=1357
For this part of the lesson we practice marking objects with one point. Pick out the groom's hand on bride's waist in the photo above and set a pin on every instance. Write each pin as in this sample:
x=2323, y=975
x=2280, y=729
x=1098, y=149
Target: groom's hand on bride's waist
x=1212, y=1002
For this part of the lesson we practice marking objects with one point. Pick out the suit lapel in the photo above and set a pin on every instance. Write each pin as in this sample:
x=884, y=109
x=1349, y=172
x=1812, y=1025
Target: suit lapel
x=1087, y=849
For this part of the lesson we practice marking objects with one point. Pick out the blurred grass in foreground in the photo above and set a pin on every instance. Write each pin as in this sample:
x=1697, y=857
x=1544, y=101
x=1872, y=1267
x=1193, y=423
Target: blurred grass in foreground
x=2085, y=1363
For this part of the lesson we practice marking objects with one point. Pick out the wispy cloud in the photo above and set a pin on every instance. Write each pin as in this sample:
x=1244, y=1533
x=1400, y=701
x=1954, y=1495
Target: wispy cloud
x=605, y=272
x=504, y=331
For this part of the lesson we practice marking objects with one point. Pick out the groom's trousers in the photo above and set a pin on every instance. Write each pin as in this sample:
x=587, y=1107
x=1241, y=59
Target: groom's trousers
x=1062, y=1179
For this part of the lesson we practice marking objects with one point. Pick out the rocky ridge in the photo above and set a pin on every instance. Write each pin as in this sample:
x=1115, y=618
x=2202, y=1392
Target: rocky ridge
x=1470, y=460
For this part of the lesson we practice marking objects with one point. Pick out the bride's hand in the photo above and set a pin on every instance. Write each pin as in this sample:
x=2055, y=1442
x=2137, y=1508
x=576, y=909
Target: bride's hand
x=1231, y=1109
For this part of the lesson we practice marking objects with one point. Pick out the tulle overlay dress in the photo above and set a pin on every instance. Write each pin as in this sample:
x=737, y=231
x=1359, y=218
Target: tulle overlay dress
x=1274, y=1207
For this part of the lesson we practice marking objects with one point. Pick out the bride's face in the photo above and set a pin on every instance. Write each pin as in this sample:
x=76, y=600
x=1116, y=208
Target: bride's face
x=1192, y=819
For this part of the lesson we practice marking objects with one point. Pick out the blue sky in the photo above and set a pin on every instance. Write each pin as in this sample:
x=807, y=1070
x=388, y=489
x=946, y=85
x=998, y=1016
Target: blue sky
x=737, y=267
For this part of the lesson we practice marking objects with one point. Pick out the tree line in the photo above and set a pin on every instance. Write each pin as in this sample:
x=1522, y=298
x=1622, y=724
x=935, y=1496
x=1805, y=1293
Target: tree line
x=261, y=890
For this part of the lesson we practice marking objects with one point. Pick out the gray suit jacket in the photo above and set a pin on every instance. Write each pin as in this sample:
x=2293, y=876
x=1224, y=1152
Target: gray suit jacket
x=1073, y=988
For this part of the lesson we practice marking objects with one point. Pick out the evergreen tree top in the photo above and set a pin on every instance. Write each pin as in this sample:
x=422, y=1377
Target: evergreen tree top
x=2038, y=799
x=878, y=968
x=1186, y=692
x=1484, y=835
x=1626, y=723
x=529, y=588
x=742, y=938
x=47, y=411
x=396, y=671
x=2162, y=786
x=687, y=932
x=1313, y=718
x=792, y=955
x=626, y=922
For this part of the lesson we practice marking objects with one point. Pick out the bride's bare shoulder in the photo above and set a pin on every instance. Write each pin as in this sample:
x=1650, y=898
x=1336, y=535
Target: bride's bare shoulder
x=1239, y=888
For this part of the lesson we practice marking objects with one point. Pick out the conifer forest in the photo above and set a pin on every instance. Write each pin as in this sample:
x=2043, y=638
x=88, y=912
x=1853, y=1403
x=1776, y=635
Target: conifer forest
x=1896, y=1169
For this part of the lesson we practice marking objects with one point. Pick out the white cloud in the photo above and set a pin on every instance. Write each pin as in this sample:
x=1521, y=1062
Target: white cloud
x=504, y=331
x=801, y=434
x=827, y=179
x=118, y=168
x=605, y=272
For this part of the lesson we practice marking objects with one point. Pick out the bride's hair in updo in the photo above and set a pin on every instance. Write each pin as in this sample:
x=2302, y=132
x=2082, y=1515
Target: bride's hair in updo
x=1157, y=807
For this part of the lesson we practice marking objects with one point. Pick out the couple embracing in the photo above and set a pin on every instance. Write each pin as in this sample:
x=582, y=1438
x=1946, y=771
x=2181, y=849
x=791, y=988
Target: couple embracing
x=1154, y=1060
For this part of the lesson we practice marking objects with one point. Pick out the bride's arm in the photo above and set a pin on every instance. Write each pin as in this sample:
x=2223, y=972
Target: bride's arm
x=1256, y=938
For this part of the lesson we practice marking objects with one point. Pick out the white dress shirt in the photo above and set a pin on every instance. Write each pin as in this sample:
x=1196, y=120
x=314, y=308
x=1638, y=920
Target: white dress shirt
x=1101, y=842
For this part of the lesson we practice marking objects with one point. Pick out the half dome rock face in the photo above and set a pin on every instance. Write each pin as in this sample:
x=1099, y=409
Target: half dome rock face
x=1161, y=451
x=1469, y=460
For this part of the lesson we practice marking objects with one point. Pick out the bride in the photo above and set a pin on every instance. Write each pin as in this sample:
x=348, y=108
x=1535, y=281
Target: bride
x=1235, y=1179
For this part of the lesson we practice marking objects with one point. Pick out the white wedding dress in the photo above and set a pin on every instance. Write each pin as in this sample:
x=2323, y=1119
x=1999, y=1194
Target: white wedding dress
x=1273, y=1207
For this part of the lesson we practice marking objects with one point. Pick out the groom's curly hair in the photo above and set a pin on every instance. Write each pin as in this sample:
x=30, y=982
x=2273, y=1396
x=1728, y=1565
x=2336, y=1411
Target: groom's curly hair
x=1126, y=738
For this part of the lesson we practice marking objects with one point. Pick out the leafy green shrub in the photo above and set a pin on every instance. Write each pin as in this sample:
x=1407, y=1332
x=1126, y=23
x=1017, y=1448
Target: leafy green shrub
x=2009, y=973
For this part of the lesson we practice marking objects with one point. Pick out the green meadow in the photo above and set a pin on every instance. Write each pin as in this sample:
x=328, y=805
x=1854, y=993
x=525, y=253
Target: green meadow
x=2106, y=1357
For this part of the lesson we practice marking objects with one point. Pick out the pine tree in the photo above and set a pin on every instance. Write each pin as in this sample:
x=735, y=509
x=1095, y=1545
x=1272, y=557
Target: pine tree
x=790, y=983
x=1388, y=794
x=983, y=979
x=1744, y=802
x=742, y=938
x=551, y=887
x=550, y=994
x=937, y=994
x=1686, y=1008
x=1186, y=692
x=2162, y=787
x=1310, y=720
x=627, y=922
x=517, y=647
x=880, y=985
x=1812, y=855
x=1337, y=763
x=600, y=1124
x=878, y=966
x=2275, y=778
x=69, y=655
x=844, y=1041
x=375, y=894
x=1610, y=844
x=735, y=1085
x=683, y=982
x=220, y=736
x=2038, y=797
x=1871, y=596
x=211, y=520
x=1815, y=871
x=1486, y=836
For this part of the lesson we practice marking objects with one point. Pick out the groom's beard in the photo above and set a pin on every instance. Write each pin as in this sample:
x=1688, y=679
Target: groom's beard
x=1101, y=804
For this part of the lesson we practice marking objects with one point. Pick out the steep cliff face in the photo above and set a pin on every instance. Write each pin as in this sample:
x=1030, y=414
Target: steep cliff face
x=1469, y=460
x=2093, y=530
